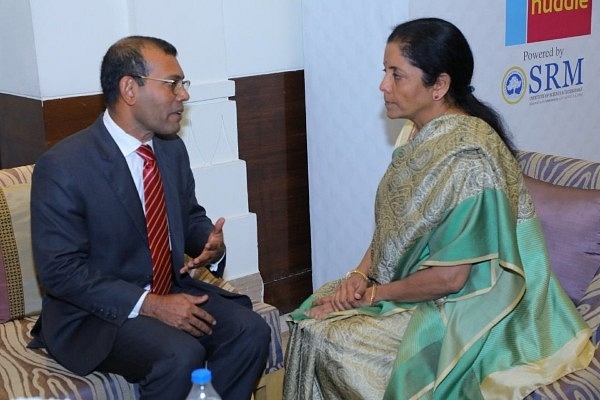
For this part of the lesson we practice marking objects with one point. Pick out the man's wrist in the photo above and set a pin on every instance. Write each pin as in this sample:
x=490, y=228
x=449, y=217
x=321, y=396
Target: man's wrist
x=138, y=306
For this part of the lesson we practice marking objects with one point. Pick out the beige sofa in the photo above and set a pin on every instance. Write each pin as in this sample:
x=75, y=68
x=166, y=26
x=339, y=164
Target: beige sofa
x=31, y=373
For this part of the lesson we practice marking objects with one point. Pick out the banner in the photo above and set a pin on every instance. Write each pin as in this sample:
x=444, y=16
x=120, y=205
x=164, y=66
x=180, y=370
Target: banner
x=529, y=21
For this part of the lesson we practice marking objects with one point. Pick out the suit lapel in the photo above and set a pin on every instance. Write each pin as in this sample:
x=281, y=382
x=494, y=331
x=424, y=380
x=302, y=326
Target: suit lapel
x=115, y=170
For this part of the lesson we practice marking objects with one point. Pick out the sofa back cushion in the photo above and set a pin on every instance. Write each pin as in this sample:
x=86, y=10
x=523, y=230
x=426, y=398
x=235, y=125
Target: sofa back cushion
x=573, y=173
x=560, y=170
x=570, y=219
x=20, y=293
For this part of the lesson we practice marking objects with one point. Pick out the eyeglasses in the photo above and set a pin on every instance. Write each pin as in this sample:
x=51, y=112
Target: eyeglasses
x=176, y=85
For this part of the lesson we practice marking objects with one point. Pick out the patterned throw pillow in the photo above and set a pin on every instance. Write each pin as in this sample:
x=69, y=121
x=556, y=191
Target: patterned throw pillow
x=20, y=293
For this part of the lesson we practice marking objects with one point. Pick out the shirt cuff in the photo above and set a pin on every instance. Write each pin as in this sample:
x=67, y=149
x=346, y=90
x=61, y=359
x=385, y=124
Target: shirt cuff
x=136, y=309
x=215, y=266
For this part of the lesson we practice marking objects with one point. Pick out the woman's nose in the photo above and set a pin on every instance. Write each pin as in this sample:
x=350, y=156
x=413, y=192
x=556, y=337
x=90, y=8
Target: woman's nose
x=383, y=85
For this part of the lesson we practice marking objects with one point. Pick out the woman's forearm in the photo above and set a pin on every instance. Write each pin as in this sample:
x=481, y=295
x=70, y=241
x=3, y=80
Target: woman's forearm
x=426, y=284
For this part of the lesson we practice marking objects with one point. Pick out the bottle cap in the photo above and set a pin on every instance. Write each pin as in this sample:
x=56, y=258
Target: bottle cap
x=201, y=376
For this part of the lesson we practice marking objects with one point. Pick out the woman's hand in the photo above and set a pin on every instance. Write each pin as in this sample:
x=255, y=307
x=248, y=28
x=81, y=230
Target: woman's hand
x=349, y=294
x=321, y=308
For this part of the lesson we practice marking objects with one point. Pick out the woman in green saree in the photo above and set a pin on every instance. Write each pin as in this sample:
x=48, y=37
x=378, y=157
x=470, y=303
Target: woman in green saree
x=454, y=298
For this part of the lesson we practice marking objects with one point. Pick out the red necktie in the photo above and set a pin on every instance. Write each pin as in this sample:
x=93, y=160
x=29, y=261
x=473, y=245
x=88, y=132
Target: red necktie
x=156, y=222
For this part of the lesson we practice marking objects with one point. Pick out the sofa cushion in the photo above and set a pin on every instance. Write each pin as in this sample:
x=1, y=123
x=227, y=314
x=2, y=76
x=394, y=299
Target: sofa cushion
x=20, y=293
x=31, y=373
x=570, y=220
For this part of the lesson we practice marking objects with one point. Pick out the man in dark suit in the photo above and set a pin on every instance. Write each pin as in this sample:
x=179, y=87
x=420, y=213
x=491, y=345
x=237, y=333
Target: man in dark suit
x=90, y=241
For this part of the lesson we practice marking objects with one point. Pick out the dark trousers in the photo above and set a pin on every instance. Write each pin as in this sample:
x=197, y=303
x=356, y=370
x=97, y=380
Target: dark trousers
x=160, y=358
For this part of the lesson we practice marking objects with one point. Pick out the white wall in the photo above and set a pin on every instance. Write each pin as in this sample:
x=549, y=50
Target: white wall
x=53, y=49
x=263, y=36
x=349, y=138
x=70, y=38
x=18, y=65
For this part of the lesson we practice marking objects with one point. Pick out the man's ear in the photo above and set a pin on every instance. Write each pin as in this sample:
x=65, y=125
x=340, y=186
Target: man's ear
x=128, y=88
x=441, y=86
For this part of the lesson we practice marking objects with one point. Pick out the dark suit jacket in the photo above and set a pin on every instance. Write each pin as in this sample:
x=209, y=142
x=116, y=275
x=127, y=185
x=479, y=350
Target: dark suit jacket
x=90, y=243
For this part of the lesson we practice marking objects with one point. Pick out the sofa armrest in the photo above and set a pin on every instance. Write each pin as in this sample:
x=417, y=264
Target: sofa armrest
x=589, y=308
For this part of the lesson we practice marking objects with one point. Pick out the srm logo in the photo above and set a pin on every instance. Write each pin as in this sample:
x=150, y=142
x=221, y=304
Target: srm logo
x=541, y=78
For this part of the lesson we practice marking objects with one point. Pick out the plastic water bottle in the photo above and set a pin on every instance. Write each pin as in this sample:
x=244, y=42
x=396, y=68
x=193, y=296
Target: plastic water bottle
x=202, y=388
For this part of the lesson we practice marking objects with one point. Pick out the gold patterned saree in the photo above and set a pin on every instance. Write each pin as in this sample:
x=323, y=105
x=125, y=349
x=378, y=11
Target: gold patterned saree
x=453, y=195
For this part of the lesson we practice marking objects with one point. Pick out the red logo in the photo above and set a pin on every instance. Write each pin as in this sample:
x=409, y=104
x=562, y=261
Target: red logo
x=556, y=19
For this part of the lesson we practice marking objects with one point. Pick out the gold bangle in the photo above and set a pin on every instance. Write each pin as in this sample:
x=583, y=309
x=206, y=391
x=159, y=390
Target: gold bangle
x=373, y=291
x=359, y=272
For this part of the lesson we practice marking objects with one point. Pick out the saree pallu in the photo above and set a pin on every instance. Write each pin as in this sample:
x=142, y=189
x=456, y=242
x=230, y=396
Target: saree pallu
x=453, y=195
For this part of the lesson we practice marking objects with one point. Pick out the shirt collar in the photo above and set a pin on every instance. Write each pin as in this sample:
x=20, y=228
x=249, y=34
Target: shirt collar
x=126, y=143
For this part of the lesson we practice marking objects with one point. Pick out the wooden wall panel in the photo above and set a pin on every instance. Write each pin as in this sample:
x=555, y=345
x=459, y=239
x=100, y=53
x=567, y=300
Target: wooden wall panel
x=272, y=142
x=21, y=130
x=63, y=117
x=28, y=127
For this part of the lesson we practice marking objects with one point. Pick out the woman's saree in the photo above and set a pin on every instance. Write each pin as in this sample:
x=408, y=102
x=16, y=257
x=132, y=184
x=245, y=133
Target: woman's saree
x=453, y=195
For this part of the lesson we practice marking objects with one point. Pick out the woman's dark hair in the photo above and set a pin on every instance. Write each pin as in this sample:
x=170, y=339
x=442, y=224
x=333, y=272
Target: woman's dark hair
x=125, y=58
x=436, y=46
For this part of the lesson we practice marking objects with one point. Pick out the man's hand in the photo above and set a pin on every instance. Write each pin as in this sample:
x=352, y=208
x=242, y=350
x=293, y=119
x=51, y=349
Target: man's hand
x=181, y=311
x=213, y=249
